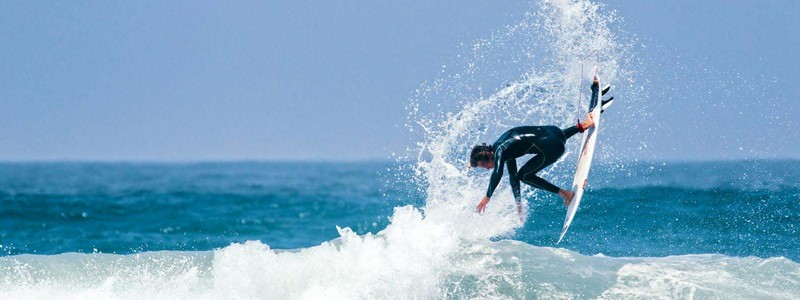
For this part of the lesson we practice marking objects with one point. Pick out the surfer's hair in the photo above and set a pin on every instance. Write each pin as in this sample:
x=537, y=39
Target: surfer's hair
x=480, y=153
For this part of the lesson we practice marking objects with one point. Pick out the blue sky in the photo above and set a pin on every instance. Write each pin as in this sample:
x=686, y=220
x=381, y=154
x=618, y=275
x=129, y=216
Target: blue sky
x=328, y=80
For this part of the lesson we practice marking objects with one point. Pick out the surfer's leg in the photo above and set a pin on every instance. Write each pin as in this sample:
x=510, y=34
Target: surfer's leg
x=527, y=174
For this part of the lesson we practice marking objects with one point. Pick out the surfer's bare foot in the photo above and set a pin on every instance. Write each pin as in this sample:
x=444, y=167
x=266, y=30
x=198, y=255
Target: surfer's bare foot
x=567, y=196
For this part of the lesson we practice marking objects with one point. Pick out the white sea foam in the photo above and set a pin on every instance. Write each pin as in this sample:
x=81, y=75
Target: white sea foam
x=395, y=266
x=440, y=250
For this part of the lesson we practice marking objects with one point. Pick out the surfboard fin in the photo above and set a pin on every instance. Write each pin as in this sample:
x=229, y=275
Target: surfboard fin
x=605, y=104
x=605, y=89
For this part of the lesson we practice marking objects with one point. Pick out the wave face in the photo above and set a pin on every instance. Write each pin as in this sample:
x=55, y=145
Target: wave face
x=440, y=249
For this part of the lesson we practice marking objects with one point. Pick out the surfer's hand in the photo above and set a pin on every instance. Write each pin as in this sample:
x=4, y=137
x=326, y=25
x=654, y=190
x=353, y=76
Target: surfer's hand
x=520, y=212
x=482, y=205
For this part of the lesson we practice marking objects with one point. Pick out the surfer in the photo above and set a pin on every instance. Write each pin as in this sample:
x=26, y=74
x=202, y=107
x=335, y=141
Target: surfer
x=545, y=142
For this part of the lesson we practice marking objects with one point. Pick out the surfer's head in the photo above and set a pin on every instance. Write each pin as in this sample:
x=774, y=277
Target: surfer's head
x=481, y=156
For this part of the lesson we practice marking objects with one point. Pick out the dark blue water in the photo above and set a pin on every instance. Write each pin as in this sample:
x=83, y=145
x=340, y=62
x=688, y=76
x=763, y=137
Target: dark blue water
x=747, y=208
x=49, y=208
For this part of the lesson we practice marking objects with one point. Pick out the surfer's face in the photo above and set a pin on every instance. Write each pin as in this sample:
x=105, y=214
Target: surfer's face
x=487, y=164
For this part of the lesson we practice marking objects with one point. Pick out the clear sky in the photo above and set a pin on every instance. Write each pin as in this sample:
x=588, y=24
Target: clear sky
x=328, y=80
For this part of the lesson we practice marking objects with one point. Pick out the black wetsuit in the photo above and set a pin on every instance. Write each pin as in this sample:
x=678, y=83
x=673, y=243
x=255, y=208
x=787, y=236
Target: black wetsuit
x=546, y=142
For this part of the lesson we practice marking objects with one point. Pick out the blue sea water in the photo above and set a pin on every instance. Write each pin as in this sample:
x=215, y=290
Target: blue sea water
x=50, y=208
x=743, y=208
x=700, y=229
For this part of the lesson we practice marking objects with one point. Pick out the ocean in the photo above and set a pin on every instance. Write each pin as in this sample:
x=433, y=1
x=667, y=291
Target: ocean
x=272, y=230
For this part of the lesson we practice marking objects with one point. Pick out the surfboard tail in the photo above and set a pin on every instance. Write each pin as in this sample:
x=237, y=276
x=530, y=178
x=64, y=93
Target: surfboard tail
x=563, y=233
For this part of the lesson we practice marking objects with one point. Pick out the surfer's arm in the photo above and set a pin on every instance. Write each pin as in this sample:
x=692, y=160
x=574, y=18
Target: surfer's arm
x=513, y=179
x=569, y=132
x=497, y=173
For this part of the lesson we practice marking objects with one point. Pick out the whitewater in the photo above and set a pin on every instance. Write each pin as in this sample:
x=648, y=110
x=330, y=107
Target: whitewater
x=442, y=249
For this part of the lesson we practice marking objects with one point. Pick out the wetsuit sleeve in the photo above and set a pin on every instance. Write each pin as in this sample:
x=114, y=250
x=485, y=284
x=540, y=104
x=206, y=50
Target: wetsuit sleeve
x=497, y=173
x=513, y=179
x=569, y=132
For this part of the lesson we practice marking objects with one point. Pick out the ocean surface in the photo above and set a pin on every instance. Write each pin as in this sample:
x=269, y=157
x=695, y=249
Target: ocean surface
x=179, y=231
x=744, y=208
x=50, y=208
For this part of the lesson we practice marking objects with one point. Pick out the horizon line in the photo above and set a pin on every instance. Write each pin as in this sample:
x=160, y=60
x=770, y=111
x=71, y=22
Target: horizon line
x=352, y=160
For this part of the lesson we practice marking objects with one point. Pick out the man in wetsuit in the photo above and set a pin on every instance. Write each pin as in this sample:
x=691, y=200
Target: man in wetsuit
x=546, y=142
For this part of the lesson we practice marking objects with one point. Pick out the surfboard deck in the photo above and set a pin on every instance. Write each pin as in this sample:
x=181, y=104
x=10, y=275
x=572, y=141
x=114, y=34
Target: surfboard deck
x=588, y=142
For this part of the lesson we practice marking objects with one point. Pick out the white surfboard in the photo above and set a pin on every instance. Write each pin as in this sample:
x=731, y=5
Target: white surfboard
x=584, y=162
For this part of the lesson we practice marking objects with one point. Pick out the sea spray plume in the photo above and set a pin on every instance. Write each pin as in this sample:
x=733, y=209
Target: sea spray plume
x=557, y=40
x=582, y=34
